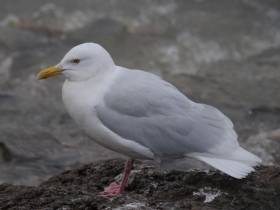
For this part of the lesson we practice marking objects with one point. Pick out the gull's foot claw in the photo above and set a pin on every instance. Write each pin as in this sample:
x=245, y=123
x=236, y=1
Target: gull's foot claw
x=111, y=190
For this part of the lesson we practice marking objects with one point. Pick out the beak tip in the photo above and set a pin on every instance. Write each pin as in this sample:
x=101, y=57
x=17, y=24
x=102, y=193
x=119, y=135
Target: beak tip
x=48, y=72
x=38, y=77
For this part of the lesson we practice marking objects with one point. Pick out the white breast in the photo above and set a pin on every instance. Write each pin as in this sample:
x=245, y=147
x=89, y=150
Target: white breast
x=80, y=100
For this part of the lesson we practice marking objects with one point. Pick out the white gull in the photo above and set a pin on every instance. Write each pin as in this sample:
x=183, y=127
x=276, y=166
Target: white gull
x=141, y=116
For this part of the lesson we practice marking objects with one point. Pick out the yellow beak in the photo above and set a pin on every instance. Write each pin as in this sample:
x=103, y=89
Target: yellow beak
x=49, y=72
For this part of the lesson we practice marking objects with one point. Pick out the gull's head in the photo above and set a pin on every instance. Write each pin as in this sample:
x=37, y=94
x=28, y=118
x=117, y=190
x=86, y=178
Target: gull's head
x=81, y=63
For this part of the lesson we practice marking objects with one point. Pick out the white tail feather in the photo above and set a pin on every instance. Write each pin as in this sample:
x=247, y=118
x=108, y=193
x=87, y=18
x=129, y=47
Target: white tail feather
x=237, y=164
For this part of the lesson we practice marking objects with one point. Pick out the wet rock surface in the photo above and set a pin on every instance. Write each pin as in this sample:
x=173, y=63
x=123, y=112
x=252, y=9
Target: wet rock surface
x=149, y=188
x=222, y=53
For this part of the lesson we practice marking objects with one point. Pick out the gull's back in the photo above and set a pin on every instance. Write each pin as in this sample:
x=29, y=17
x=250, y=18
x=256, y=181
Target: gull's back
x=155, y=114
x=142, y=107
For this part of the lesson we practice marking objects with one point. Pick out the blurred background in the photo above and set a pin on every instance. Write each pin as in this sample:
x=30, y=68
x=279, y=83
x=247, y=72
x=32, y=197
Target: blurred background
x=223, y=53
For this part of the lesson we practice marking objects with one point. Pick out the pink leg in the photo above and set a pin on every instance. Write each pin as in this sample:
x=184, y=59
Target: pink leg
x=115, y=189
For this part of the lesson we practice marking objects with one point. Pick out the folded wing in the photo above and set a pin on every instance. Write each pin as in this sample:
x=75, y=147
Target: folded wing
x=143, y=108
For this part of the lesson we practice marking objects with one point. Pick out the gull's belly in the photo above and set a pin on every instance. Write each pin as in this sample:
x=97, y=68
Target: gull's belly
x=81, y=106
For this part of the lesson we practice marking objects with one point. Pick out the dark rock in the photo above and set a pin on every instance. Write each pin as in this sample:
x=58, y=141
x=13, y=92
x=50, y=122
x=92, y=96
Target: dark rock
x=5, y=154
x=149, y=188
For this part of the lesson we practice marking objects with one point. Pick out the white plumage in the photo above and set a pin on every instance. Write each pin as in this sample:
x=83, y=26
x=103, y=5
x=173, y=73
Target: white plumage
x=141, y=116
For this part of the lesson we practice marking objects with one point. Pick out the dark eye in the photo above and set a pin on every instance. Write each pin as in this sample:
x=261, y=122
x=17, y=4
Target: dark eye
x=76, y=61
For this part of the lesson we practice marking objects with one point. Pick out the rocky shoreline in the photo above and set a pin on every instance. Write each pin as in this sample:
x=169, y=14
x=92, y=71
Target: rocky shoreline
x=149, y=188
x=222, y=53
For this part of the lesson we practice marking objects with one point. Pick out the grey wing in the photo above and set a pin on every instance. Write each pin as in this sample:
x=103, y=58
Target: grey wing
x=143, y=108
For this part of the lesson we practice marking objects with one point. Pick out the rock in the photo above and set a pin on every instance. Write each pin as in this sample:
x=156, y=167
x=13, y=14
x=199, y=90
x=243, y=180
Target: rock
x=266, y=145
x=263, y=147
x=149, y=188
x=274, y=135
x=5, y=154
